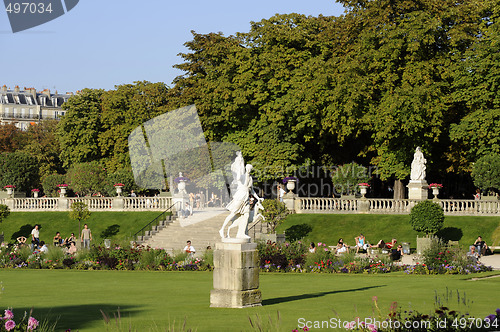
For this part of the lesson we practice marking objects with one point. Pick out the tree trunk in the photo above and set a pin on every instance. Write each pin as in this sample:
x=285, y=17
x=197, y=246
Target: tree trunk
x=399, y=189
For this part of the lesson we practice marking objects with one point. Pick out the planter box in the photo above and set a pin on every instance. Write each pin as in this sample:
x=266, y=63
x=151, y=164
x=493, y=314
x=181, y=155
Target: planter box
x=278, y=238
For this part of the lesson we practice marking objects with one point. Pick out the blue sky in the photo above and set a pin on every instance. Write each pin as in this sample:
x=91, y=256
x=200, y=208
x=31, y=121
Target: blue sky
x=100, y=44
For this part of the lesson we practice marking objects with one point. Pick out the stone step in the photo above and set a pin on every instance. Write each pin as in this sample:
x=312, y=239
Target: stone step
x=201, y=228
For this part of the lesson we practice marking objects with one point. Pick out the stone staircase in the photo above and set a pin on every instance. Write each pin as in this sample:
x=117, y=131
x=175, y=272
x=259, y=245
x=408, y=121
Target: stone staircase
x=202, y=228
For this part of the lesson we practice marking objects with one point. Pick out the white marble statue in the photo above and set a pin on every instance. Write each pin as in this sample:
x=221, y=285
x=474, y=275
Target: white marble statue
x=418, y=166
x=238, y=171
x=239, y=206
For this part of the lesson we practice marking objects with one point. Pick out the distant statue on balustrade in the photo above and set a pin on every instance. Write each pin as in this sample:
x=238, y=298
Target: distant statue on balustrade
x=418, y=166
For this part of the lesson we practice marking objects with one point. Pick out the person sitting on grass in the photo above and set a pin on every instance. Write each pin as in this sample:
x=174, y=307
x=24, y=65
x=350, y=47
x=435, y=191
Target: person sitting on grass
x=341, y=247
x=472, y=254
x=312, y=248
x=58, y=240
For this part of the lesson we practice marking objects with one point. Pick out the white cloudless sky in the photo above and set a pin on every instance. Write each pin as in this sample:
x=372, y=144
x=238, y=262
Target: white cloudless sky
x=103, y=43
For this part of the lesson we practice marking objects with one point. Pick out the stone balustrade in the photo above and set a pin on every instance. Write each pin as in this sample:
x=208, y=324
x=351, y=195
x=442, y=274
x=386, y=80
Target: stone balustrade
x=93, y=203
x=391, y=206
x=301, y=205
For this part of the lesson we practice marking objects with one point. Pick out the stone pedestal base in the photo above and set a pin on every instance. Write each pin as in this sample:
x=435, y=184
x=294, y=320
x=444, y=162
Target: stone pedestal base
x=418, y=189
x=236, y=276
x=289, y=200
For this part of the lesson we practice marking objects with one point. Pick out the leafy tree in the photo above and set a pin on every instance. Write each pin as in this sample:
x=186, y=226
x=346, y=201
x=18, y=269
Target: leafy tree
x=50, y=182
x=486, y=172
x=87, y=178
x=124, y=176
x=123, y=110
x=79, y=211
x=78, y=131
x=41, y=142
x=4, y=212
x=274, y=213
x=19, y=169
x=427, y=217
x=8, y=137
x=345, y=178
x=476, y=80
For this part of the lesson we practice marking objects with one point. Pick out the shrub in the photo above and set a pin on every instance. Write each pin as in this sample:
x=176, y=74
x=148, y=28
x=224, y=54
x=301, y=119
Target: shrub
x=486, y=172
x=297, y=232
x=50, y=182
x=427, y=217
x=345, y=178
x=274, y=213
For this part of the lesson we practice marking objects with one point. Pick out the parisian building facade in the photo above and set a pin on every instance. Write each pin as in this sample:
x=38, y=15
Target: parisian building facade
x=28, y=107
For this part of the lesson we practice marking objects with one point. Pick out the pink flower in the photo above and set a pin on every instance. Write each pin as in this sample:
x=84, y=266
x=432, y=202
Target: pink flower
x=10, y=325
x=371, y=327
x=32, y=323
x=374, y=299
x=8, y=315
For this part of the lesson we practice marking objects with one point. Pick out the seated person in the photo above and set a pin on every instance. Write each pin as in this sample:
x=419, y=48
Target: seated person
x=481, y=246
x=312, y=248
x=72, y=248
x=188, y=210
x=472, y=254
x=361, y=243
x=69, y=240
x=43, y=247
x=58, y=240
x=341, y=247
x=21, y=241
x=396, y=253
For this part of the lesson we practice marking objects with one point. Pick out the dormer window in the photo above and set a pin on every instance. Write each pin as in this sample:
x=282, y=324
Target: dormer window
x=16, y=99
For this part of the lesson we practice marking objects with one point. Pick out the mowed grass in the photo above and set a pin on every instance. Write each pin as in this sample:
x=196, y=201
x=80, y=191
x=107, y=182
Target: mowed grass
x=114, y=225
x=151, y=301
x=330, y=227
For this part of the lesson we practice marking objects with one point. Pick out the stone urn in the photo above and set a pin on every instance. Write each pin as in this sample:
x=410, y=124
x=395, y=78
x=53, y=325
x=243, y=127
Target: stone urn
x=182, y=186
x=118, y=190
x=363, y=190
x=435, y=192
x=10, y=191
x=35, y=194
x=63, y=191
x=290, y=185
x=435, y=189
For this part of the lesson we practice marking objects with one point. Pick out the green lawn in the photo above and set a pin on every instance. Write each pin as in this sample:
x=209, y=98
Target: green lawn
x=115, y=225
x=330, y=227
x=151, y=300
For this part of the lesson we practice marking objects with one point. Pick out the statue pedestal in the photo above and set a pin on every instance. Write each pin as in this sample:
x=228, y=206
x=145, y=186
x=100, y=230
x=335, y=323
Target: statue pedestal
x=236, y=276
x=179, y=200
x=418, y=189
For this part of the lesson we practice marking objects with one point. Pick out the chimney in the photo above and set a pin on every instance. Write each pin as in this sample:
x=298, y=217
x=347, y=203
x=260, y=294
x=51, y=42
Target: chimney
x=46, y=92
x=4, y=88
x=16, y=89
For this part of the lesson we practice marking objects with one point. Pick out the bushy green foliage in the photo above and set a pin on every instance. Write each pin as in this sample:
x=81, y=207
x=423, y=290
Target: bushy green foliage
x=50, y=182
x=4, y=212
x=427, y=217
x=486, y=172
x=345, y=178
x=87, y=178
x=274, y=213
x=19, y=169
x=297, y=232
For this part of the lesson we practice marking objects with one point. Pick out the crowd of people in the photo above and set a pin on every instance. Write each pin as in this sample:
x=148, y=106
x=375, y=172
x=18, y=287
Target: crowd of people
x=68, y=244
x=393, y=249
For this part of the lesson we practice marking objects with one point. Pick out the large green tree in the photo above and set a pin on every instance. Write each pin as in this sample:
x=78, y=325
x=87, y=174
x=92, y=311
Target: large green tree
x=78, y=131
x=19, y=169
